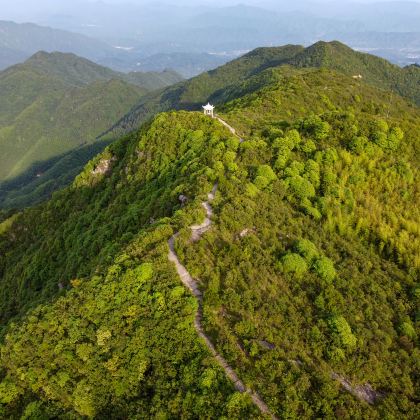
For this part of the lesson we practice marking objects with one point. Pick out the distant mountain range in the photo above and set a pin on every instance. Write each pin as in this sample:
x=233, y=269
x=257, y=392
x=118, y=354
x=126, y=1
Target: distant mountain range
x=55, y=103
x=19, y=41
x=188, y=64
x=198, y=38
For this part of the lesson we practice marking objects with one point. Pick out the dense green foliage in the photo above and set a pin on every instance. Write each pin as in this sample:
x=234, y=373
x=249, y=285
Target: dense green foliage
x=38, y=183
x=51, y=105
x=217, y=85
x=127, y=345
x=327, y=270
x=309, y=272
x=152, y=80
x=374, y=70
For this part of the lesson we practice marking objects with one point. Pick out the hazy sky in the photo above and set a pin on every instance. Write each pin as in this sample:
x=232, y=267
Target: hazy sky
x=7, y=6
x=14, y=4
x=234, y=2
x=46, y=12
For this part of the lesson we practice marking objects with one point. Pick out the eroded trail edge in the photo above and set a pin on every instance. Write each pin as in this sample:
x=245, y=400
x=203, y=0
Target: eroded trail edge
x=192, y=285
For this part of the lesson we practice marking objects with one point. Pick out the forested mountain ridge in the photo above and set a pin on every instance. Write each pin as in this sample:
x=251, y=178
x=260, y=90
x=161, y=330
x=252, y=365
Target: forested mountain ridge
x=309, y=271
x=18, y=41
x=77, y=71
x=191, y=94
x=55, y=103
x=374, y=70
x=67, y=67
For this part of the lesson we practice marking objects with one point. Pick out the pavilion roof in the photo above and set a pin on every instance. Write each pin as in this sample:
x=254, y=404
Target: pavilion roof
x=208, y=107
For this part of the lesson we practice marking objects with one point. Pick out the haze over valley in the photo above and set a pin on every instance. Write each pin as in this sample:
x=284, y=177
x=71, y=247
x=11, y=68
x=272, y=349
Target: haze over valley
x=191, y=37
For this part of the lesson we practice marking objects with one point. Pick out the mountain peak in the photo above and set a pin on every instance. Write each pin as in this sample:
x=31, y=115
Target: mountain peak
x=68, y=67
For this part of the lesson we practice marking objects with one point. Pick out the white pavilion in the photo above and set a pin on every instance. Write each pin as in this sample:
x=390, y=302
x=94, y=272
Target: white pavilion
x=209, y=110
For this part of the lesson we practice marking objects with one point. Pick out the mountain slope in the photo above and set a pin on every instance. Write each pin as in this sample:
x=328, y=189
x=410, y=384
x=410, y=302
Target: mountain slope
x=39, y=182
x=153, y=80
x=69, y=68
x=43, y=106
x=307, y=272
x=23, y=40
x=56, y=102
x=374, y=70
x=192, y=93
x=78, y=71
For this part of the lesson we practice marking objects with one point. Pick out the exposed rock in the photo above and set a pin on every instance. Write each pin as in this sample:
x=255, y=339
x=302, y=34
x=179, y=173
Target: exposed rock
x=104, y=166
x=267, y=345
x=247, y=232
x=362, y=392
x=183, y=199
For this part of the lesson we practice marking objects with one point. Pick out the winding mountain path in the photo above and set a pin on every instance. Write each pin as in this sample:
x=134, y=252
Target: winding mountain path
x=365, y=392
x=229, y=127
x=192, y=285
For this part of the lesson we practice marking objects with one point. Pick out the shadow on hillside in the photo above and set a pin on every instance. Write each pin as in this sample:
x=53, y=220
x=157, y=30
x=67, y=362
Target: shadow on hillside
x=38, y=182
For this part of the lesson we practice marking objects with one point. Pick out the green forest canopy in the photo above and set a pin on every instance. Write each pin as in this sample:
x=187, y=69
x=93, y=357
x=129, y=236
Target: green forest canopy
x=309, y=270
x=53, y=108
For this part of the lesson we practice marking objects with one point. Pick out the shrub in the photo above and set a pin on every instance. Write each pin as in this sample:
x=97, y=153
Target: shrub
x=312, y=172
x=307, y=249
x=293, y=137
x=267, y=172
x=251, y=190
x=301, y=187
x=294, y=263
x=381, y=126
x=381, y=139
x=358, y=144
x=265, y=175
x=324, y=267
x=296, y=168
x=315, y=126
x=397, y=132
x=229, y=157
x=330, y=156
x=342, y=331
x=308, y=147
x=261, y=182
x=312, y=211
x=322, y=130
x=281, y=161
x=407, y=329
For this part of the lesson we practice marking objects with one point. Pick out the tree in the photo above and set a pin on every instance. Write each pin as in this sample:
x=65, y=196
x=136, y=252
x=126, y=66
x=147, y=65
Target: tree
x=307, y=249
x=324, y=267
x=294, y=263
x=267, y=172
x=301, y=187
x=265, y=176
x=342, y=332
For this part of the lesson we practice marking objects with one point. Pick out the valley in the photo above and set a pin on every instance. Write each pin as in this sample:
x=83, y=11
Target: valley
x=53, y=108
